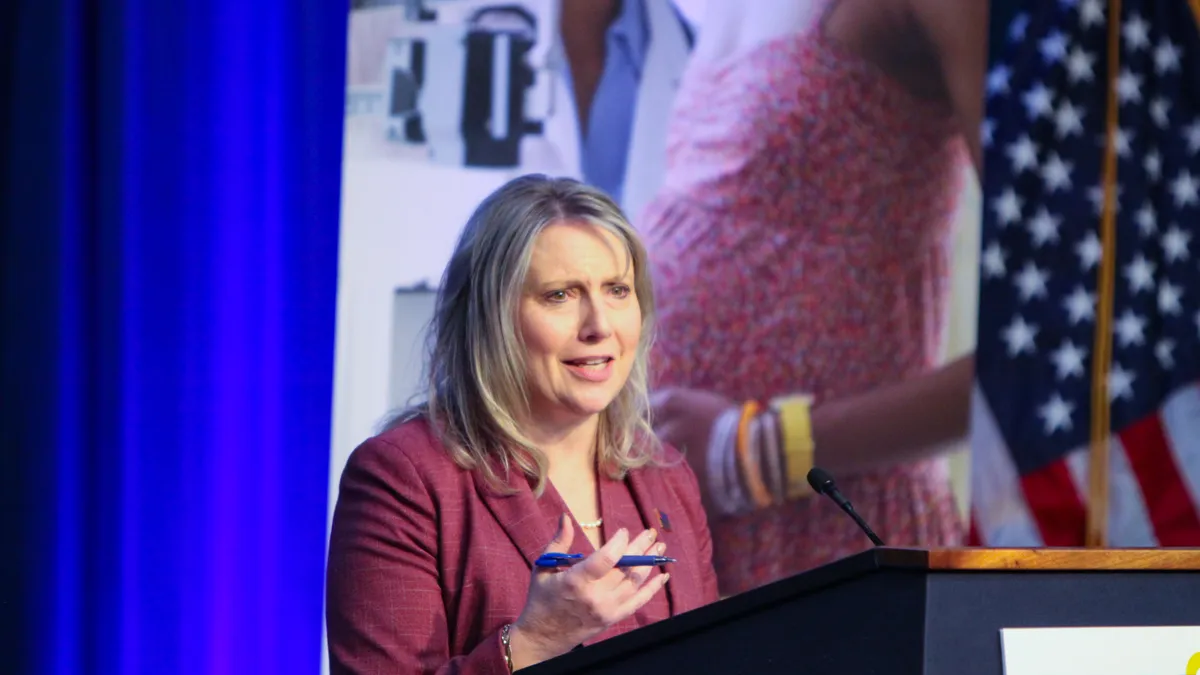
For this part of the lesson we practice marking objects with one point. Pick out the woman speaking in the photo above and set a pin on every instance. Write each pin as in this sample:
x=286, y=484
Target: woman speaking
x=493, y=526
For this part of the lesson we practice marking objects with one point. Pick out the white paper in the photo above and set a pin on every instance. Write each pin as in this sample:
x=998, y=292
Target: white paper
x=1141, y=650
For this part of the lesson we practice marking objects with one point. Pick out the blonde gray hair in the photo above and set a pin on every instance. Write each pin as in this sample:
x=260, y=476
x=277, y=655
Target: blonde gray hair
x=476, y=388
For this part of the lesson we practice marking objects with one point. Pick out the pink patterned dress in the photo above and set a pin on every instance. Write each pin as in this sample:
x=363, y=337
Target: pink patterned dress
x=801, y=243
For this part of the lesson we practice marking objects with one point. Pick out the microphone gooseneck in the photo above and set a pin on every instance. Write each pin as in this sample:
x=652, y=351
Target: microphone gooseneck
x=822, y=483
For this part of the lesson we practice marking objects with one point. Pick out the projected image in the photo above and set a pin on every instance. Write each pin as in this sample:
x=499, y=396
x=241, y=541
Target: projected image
x=802, y=173
x=454, y=83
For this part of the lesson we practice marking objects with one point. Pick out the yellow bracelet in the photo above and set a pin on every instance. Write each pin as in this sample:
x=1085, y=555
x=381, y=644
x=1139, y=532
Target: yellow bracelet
x=796, y=422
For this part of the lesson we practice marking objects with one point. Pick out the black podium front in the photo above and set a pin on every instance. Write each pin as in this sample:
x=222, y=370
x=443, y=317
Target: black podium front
x=893, y=611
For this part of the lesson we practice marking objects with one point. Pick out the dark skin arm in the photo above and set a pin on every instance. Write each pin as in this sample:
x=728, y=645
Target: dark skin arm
x=896, y=423
x=957, y=31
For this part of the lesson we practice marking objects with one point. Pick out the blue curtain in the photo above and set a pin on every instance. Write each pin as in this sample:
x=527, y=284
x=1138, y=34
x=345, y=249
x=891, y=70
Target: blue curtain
x=170, y=199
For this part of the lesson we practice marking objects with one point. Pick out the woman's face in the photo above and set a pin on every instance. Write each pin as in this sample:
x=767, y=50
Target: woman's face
x=580, y=321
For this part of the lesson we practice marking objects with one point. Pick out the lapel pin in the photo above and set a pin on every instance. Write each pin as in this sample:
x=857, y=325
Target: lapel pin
x=663, y=521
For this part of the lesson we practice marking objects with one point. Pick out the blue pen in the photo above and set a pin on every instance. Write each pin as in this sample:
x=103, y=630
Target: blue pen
x=643, y=561
x=568, y=559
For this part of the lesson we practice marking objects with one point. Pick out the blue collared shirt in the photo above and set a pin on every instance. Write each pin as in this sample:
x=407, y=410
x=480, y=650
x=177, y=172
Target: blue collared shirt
x=604, y=148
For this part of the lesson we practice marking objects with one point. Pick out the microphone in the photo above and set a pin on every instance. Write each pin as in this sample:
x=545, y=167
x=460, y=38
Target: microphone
x=822, y=483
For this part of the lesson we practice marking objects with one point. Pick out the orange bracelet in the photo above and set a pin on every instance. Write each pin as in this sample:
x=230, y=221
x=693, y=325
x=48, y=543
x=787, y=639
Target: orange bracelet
x=751, y=473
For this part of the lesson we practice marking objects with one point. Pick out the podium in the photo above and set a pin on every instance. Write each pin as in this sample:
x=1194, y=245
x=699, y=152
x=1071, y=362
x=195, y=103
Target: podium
x=894, y=611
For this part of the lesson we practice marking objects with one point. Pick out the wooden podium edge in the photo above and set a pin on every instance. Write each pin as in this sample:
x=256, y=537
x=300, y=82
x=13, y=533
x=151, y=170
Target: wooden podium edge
x=1045, y=559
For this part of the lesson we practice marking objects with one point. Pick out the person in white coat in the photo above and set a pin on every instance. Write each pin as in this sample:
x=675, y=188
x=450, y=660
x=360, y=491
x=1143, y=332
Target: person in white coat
x=620, y=64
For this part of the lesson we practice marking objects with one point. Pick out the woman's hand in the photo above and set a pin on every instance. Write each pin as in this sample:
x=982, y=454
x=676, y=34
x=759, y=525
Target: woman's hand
x=567, y=606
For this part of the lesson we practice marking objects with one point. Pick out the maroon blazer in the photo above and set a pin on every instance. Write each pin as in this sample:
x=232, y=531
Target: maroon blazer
x=427, y=563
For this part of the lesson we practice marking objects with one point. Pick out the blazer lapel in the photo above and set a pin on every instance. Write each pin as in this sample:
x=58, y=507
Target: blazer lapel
x=518, y=514
x=655, y=501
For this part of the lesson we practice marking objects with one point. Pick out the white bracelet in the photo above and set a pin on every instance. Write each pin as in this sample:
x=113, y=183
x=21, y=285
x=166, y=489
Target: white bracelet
x=739, y=499
x=723, y=484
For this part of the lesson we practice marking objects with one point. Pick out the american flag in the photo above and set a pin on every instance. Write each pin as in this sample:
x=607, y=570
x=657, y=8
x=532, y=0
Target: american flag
x=1040, y=299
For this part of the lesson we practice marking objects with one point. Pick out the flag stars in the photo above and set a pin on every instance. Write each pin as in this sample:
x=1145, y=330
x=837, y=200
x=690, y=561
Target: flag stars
x=1056, y=174
x=1152, y=292
x=1130, y=329
x=1022, y=153
x=1019, y=335
x=1120, y=383
x=1175, y=244
x=1160, y=112
x=1168, y=298
x=993, y=261
x=1089, y=251
x=1043, y=227
x=1184, y=189
x=1129, y=87
x=1016, y=29
x=1164, y=352
x=1007, y=207
x=1038, y=102
x=1153, y=165
x=1080, y=66
x=997, y=80
x=1068, y=360
x=1136, y=33
x=1140, y=275
x=1080, y=305
x=1053, y=47
x=1191, y=134
x=1146, y=220
x=1091, y=13
x=1166, y=57
x=1031, y=282
x=1056, y=413
x=1068, y=120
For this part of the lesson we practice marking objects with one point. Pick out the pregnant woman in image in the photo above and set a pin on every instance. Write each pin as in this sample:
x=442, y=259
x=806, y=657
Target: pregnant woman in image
x=801, y=245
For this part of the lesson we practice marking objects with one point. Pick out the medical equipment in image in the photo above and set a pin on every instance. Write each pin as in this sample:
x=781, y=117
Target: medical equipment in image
x=469, y=79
